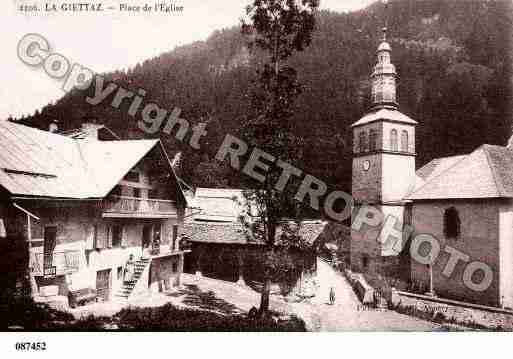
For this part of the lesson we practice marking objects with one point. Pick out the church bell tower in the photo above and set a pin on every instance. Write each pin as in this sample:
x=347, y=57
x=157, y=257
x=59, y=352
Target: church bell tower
x=383, y=170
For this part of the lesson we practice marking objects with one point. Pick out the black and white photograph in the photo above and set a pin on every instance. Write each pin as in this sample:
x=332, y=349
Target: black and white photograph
x=171, y=168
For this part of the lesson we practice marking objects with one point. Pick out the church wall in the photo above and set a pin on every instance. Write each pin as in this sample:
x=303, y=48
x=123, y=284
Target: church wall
x=506, y=253
x=479, y=239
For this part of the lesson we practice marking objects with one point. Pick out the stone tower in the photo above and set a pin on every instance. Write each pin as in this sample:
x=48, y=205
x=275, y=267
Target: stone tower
x=383, y=171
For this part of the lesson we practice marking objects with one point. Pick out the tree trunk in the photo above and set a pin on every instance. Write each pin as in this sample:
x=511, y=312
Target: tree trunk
x=264, y=300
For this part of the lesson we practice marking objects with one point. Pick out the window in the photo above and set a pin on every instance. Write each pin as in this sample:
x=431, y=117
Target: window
x=363, y=141
x=393, y=140
x=451, y=223
x=117, y=233
x=137, y=192
x=175, y=236
x=373, y=137
x=175, y=267
x=404, y=141
x=120, y=273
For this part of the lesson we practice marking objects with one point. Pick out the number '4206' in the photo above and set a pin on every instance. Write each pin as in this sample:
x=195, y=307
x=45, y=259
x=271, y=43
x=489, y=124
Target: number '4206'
x=29, y=346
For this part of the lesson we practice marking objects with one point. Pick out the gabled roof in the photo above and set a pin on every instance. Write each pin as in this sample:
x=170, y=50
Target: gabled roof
x=485, y=173
x=81, y=133
x=219, y=204
x=384, y=114
x=44, y=164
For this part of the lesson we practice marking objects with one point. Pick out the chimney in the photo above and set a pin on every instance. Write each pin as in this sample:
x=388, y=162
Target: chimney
x=53, y=127
x=91, y=130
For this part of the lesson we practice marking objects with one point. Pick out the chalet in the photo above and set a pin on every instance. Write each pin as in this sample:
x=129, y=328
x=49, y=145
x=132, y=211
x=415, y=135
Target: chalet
x=74, y=209
x=222, y=248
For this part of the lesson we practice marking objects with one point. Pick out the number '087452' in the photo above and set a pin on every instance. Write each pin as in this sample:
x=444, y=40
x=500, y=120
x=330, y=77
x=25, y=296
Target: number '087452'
x=30, y=346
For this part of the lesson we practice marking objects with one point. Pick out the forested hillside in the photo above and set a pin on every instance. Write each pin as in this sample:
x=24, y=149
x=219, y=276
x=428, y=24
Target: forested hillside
x=454, y=63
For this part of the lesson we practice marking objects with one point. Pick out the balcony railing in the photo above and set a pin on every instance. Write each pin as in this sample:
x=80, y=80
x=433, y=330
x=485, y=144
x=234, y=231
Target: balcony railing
x=65, y=262
x=135, y=205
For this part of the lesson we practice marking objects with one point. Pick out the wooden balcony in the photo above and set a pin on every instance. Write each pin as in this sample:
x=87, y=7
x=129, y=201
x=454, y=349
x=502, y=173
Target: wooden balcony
x=65, y=262
x=133, y=207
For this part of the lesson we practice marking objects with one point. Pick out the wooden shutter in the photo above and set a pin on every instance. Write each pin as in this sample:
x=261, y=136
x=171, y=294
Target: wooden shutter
x=109, y=236
x=101, y=236
x=89, y=236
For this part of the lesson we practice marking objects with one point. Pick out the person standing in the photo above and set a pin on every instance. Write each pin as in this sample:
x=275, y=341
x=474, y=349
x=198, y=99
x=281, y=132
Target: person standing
x=129, y=269
x=332, y=295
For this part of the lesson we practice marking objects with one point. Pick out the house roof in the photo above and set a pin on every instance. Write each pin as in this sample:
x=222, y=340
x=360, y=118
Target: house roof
x=40, y=163
x=216, y=232
x=234, y=233
x=485, y=173
x=384, y=114
x=218, y=204
x=81, y=133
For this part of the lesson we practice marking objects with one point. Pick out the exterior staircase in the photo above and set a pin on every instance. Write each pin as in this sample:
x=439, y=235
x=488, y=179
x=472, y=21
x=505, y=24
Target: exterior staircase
x=128, y=286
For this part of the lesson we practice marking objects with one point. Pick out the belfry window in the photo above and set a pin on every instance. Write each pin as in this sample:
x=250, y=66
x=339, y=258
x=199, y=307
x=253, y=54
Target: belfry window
x=404, y=141
x=373, y=137
x=451, y=223
x=363, y=141
x=393, y=140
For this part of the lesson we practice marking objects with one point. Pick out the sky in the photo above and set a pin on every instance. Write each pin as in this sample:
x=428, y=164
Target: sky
x=106, y=41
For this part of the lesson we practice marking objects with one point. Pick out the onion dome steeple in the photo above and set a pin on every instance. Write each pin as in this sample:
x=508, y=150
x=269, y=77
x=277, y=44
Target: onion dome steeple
x=383, y=78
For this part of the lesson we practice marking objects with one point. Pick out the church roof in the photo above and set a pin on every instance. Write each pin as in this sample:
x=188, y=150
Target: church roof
x=485, y=173
x=384, y=46
x=437, y=166
x=384, y=114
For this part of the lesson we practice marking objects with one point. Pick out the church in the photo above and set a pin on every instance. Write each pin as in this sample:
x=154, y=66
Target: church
x=464, y=201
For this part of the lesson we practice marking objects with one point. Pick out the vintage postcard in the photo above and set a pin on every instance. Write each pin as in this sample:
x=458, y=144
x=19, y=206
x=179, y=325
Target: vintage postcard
x=256, y=166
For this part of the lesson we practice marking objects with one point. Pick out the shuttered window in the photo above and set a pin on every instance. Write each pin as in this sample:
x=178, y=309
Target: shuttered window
x=102, y=236
x=90, y=231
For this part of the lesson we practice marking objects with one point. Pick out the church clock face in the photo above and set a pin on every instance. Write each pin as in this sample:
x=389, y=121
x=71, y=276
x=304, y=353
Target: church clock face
x=366, y=165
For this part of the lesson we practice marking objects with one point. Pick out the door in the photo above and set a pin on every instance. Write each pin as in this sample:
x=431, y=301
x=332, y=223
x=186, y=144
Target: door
x=49, y=243
x=146, y=236
x=103, y=284
x=175, y=237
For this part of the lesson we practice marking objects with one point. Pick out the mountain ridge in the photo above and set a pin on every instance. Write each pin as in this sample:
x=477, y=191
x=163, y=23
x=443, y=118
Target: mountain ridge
x=453, y=59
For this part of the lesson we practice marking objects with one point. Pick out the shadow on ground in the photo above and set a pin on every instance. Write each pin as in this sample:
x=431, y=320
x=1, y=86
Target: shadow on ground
x=205, y=300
